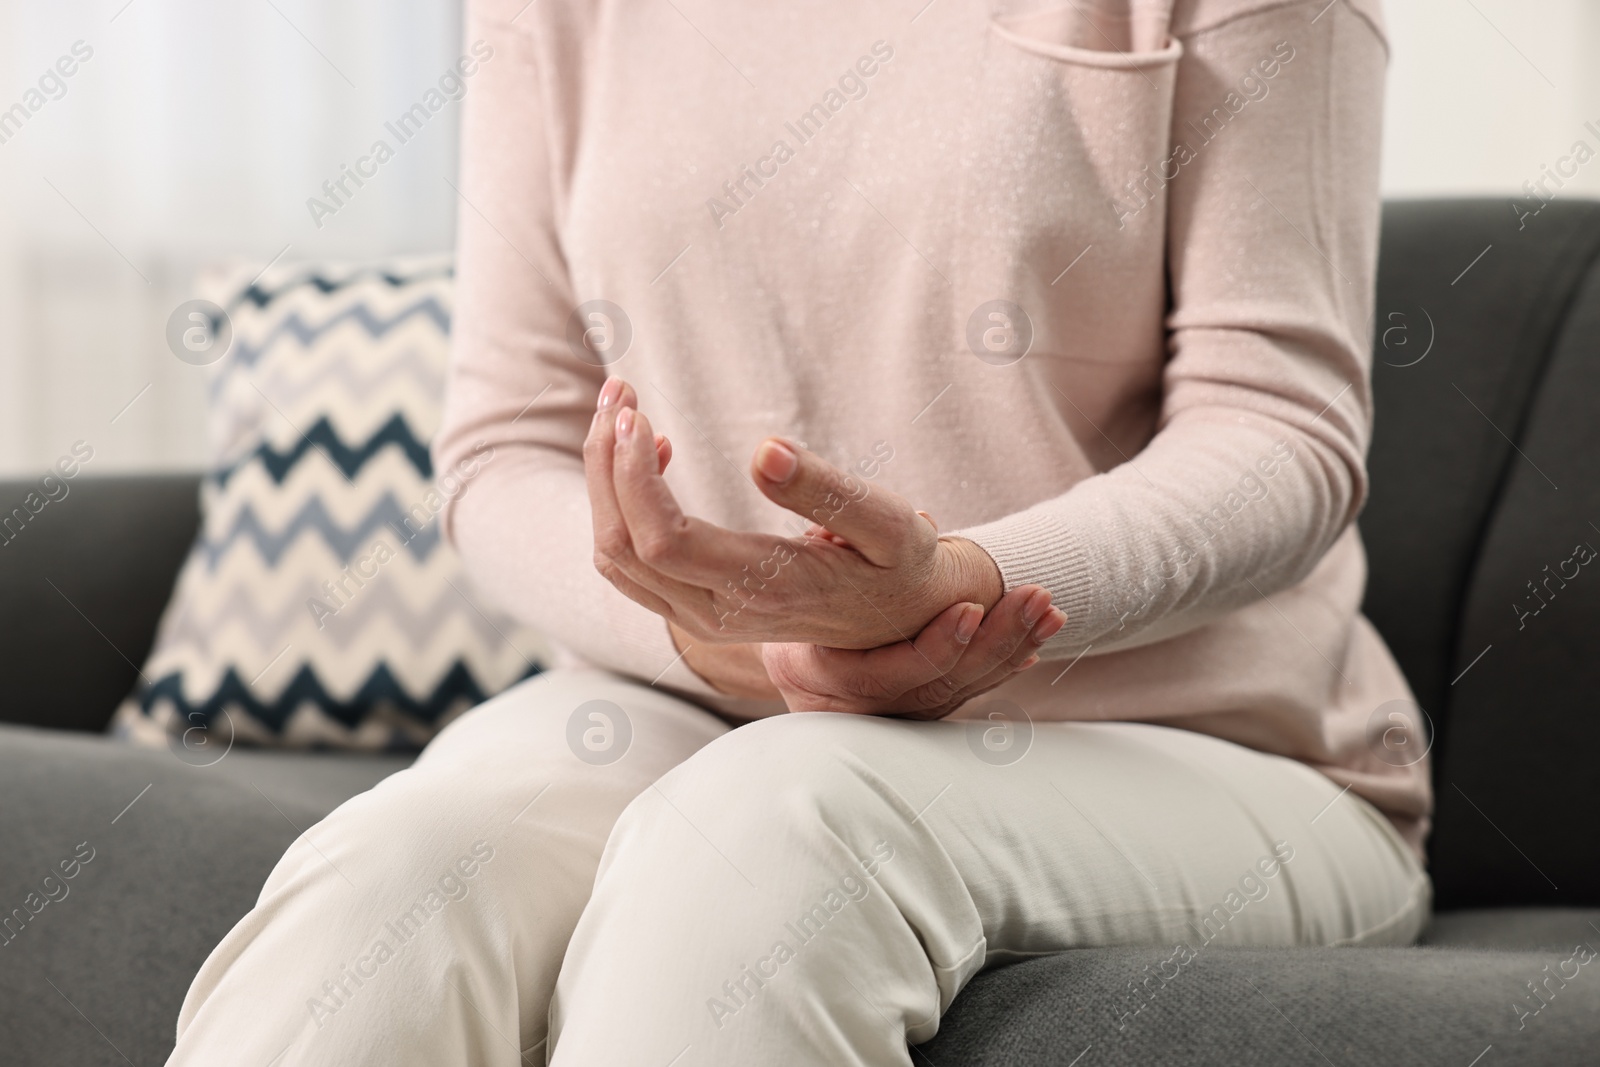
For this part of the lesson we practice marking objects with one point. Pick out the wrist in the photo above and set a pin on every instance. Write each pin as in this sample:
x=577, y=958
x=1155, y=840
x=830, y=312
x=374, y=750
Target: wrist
x=735, y=670
x=970, y=574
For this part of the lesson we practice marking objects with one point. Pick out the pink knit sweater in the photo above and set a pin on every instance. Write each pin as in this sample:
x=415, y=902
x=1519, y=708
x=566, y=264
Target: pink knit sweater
x=1091, y=283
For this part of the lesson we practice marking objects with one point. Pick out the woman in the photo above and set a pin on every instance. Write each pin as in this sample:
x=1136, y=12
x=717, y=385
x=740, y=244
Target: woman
x=1045, y=332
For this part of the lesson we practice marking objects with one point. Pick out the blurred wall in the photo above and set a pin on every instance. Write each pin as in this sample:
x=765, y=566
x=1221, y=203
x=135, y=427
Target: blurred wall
x=193, y=131
x=197, y=130
x=1482, y=93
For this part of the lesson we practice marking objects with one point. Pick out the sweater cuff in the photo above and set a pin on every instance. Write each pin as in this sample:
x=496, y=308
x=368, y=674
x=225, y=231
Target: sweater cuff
x=1034, y=549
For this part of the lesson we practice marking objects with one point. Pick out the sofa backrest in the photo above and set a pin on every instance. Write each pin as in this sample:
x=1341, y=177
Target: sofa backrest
x=82, y=584
x=1485, y=470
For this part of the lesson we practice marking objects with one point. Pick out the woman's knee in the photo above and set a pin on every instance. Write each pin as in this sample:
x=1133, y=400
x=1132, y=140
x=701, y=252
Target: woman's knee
x=514, y=775
x=418, y=825
x=777, y=847
x=576, y=723
x=784, y=758
x=524, y=722
x=772, y=787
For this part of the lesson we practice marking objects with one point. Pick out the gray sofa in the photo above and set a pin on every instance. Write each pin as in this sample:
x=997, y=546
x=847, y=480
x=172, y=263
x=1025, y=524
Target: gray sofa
x=1488, y=399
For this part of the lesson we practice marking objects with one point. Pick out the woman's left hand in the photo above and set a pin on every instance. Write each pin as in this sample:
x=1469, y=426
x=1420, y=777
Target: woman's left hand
x=874, y=572
x=957, y=656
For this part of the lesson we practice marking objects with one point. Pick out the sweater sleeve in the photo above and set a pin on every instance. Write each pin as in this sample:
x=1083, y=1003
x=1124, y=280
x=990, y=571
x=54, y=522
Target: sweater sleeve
x=1258, y=462
x=518, y=400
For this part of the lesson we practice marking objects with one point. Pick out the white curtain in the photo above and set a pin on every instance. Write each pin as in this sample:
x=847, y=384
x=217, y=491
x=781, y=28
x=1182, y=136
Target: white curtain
x=194, y=130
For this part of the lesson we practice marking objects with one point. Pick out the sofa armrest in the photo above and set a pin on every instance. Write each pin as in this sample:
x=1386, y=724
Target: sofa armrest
x=83, y=581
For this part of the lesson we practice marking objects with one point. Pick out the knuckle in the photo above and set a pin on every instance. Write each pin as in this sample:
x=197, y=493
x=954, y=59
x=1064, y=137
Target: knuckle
x=1022, y=652
x=655, y=548
x=608, y=568
x=951, y=701
x=612, y=544
x=916, y=532
x=709, y=625
x=862, y=686
x=912, y=541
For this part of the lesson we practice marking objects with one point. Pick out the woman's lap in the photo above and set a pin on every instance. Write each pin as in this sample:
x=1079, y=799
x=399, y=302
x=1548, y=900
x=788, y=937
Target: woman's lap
x=894, y=857
x=1099, y=834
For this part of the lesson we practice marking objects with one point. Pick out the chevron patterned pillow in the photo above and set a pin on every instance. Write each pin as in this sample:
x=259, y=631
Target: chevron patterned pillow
x=319, y=606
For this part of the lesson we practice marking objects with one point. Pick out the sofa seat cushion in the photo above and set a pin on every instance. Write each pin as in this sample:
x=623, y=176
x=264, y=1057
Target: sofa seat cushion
x=1344, y=1006
x=176, y=855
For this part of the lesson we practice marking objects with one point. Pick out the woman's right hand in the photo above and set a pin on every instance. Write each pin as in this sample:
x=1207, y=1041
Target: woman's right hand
x=885, y=573
x=957, y=656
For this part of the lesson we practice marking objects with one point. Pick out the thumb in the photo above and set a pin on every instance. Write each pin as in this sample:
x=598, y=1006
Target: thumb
x=879, y=524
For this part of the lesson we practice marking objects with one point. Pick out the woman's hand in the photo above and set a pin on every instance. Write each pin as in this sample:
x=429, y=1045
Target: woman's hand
x=957, y=656
x=874, y=573
x=732, y=670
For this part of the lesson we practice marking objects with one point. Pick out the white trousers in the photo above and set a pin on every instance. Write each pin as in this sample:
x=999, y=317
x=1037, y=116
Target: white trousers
x=630, y=882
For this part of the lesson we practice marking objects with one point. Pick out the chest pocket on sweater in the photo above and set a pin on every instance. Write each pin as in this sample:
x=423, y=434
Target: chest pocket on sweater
x=1079, y=107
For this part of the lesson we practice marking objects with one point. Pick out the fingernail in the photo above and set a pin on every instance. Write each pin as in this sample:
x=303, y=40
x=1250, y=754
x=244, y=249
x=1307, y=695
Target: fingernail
x=1031, y=661
x=967, y=625
x=609, y=393
x=1049, y=626
x=776, y=462
x=625, y=424
x=1035, y=607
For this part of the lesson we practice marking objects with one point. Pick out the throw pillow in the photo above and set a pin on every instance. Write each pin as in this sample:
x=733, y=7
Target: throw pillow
x=319, y=606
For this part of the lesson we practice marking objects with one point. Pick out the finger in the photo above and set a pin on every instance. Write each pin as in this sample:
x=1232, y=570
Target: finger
x=1023, y=657
x=610, y=531
x=614, y=554
x=639, y=594
x=1000, y=639
x=934, y=652
x=881, y=676
x=676, y=547
x=1004, y=639
x=882, y=525
x=644, y=500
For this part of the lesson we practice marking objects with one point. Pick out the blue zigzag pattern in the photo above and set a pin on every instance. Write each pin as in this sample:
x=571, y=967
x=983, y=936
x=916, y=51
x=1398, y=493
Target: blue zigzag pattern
x=381, y=687
x=261, y=297
x=416, y=366
x=244, y=354
x=325, y=438
x=314, y=516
